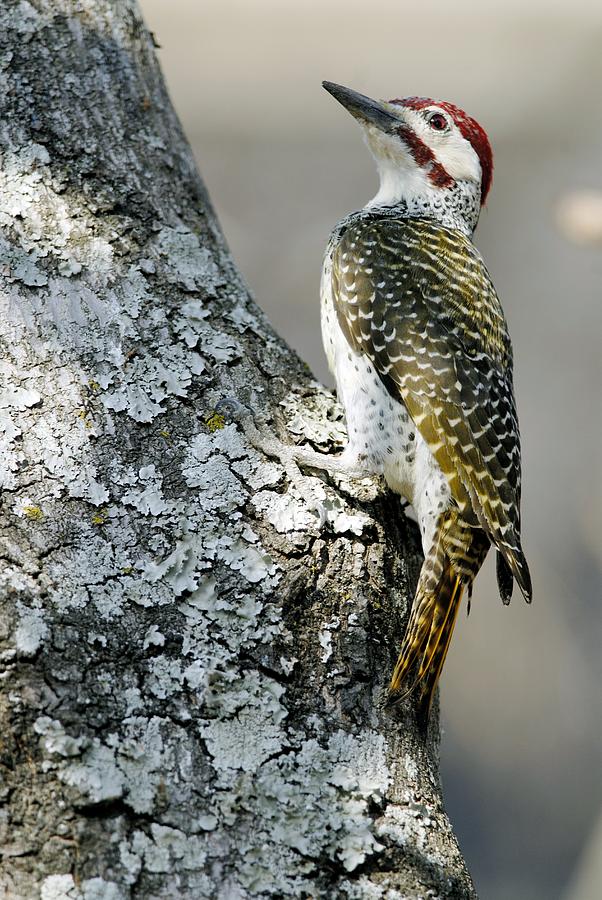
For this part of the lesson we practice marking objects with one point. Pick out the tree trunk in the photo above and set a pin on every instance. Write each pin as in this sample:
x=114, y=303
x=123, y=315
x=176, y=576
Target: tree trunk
x=193, y=644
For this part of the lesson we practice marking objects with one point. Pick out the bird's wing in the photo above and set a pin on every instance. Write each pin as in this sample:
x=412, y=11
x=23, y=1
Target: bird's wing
x=417, y=299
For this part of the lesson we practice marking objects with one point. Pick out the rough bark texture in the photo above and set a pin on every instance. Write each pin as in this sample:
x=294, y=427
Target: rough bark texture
x=193, y=645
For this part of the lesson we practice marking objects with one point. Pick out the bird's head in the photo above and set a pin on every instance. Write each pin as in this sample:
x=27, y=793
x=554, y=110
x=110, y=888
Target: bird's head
x=424, y=149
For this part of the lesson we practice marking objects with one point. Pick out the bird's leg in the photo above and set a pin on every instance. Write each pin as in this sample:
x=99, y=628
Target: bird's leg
x=346, y=464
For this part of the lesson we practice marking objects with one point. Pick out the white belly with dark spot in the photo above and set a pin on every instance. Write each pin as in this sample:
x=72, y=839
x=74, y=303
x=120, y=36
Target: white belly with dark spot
x=381, y=433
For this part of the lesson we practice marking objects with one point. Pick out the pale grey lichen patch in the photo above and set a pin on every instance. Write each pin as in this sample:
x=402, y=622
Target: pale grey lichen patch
x=186, y=262
x=217, y=345
x=255, y=474
x=252, y=562
x=189, y=325
x=361, y=764
x=218, y=487
x=243, y=742
x=141, y=389
x=99, y=889
x=24, y=507
x=153, y=638
x=203, y=599
x=227, y=441
x=56, y=443
x=129, y=766
x=165, y=676
x=246, y=724
x=25, y=18
x=311, y=803
x=332, y=510
x=90, y=489
x=148, y=497
x=228, y=696
x=165, y=850
x=227, y=447
x=180, y=568
x=144, y=756
x=213, y=345
x=286, y=513
x=132, y=380
x=18, y=398
x=319, y=419
x=49, y=225
x=244, y=320
x=364, y=889
x=202, y=546
x=56, y=740
x=60, y=887
x=318, y=507
x=325, y=638
x=63, y=887
x=97, y=777
x=73, y=581
x=24, y=267
x=32, y=630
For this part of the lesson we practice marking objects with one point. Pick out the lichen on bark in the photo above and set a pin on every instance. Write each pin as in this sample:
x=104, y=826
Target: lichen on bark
x=193, y=646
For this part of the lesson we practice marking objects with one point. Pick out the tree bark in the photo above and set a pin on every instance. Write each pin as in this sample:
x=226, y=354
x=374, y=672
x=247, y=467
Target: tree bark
x=193, y=644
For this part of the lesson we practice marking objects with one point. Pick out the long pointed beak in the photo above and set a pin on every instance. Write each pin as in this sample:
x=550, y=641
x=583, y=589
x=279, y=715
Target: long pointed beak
x=363, y=108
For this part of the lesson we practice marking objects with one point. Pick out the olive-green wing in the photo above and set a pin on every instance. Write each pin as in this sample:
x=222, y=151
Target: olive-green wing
x=418, y=300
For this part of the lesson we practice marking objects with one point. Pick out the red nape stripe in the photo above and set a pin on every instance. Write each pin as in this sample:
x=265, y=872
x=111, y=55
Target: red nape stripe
x=469, y=128
x=425, y=158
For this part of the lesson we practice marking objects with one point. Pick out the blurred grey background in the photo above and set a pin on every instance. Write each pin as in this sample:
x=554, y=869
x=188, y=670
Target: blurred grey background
x=522, y=704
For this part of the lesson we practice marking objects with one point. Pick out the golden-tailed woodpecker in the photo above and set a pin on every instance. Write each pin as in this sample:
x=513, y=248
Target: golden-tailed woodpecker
x=417, y=341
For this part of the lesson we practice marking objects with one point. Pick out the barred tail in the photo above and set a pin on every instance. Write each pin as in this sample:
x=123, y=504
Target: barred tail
x=427, y=640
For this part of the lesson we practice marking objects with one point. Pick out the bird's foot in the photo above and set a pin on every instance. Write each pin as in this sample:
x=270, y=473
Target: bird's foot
x=290, y=456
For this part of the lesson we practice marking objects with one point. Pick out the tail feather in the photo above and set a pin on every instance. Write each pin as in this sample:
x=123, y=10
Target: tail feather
x=505, y=578
x=515, y=561
x=427, y=639
x=442, y=626
x=429, y=682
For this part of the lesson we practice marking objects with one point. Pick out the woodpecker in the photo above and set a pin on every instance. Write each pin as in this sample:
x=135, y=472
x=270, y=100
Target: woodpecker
x=418, y=344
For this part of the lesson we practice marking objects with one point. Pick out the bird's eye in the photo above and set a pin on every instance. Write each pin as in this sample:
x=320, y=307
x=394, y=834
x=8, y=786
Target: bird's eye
x=438, y=122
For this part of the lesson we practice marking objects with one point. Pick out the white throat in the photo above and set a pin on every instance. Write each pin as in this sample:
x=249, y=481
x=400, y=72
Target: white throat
x=405, y=184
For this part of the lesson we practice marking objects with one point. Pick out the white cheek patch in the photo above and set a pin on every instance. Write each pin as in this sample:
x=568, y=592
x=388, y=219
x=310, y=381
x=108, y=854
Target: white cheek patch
x=457, y=155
